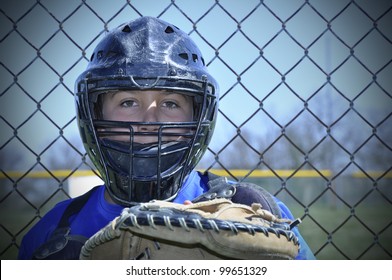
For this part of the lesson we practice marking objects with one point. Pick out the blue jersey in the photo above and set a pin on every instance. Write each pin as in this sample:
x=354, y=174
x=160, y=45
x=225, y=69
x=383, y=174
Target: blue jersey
x=97, y=213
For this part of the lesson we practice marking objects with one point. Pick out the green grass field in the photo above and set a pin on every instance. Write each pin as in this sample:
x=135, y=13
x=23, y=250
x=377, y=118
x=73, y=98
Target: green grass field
x=367, y=235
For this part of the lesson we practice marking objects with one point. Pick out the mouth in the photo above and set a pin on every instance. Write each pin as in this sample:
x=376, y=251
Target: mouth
x=136, y=133
x=144, y=162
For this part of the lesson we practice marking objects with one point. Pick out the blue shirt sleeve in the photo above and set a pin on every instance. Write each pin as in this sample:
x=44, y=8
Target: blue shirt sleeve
x=95, y=214
x=305, y=253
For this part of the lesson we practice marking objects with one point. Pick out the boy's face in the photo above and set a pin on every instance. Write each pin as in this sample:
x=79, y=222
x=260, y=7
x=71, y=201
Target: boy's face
x=148, y=107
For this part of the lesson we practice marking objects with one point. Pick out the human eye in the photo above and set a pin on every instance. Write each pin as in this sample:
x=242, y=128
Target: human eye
x=129, y=103
x=170, y=104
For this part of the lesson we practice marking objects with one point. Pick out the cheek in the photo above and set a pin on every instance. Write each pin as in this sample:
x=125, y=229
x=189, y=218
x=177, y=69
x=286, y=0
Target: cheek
x=115, y=133
x=189, y=113
x=107, y=112
x=183, y=115
x=115, y=114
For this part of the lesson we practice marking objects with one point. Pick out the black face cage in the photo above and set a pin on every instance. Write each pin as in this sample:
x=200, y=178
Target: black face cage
x=135, y=172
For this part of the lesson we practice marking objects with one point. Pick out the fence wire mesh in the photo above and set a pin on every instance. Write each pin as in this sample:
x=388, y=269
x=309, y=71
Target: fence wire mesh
x=305, y=107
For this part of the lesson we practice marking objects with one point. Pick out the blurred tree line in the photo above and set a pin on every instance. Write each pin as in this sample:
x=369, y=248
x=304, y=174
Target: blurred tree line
x=299, y=145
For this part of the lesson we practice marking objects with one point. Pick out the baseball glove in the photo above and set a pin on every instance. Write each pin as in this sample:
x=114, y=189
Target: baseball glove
x=214, y=229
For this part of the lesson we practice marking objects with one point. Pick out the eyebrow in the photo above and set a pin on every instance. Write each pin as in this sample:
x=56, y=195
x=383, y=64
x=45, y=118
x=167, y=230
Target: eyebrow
x=113, y=93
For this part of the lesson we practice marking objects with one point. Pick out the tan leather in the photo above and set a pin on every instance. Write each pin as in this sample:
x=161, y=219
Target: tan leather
x=125, y=238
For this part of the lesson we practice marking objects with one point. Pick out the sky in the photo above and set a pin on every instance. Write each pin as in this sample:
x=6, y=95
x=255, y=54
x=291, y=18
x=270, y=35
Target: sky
x=274, y=55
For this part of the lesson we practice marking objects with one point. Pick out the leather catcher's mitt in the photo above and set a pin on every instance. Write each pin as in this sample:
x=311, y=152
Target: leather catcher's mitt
x=215, y=229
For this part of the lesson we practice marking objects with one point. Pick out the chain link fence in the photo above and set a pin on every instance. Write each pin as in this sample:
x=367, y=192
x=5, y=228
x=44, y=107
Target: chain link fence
x=305, y=107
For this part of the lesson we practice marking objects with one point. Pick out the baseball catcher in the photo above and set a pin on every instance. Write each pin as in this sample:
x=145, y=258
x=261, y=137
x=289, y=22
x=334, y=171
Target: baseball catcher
x=146, y=109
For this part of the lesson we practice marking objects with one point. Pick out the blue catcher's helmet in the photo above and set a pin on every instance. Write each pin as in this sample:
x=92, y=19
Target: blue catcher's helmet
x=145, y=54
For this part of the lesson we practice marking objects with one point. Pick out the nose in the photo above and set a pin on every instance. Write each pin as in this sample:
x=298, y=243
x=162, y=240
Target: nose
x=151, y=113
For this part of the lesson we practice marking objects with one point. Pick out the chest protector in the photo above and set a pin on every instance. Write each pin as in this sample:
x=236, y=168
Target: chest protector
x=62, y=245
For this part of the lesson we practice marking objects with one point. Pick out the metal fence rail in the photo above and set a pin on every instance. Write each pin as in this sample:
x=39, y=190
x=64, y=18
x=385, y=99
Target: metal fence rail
x=305, y=86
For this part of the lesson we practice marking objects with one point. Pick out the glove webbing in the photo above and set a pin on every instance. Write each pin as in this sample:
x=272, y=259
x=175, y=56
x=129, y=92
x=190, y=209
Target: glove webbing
x=135, y=217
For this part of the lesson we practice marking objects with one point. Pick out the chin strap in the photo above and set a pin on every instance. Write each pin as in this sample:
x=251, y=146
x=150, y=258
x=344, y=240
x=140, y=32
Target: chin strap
x=218, y=188
x=239, y=192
